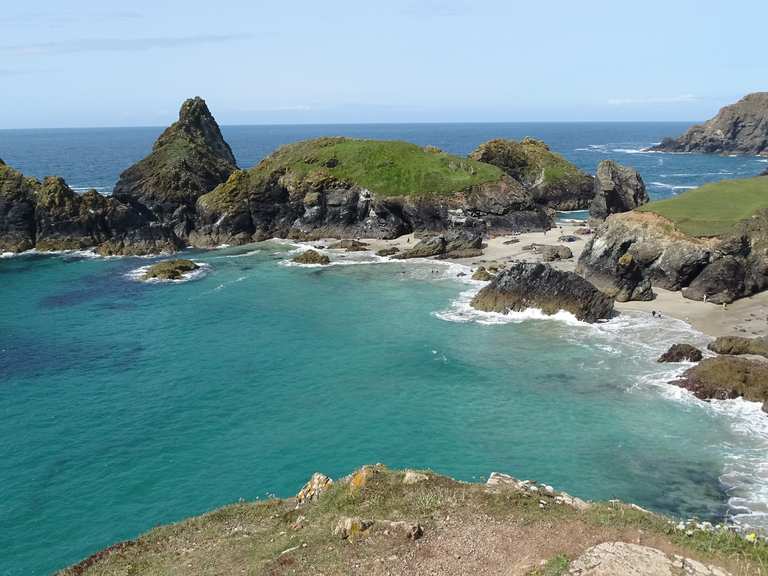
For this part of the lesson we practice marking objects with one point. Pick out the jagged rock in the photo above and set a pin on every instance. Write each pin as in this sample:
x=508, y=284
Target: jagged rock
x=482, y=275
x=631, y=251
x=391, y=251
x=298, y=192
x=314, y=488
x=617, y=189
x=681, y=353
x=735, y=345
x=17, y=210
x=499, y=480
x=552, y=253
x=524, y=285
x=741, y=128
x=725, y=377
x=189, y=159
x=311, y=257
x=623, y=558
x=350, y=245
x=170, y=269
x=553, y=181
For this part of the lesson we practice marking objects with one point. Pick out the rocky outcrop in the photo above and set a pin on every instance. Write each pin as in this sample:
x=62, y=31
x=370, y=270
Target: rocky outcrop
x=524, y=285
x=482, y=275
x=741, y=128
x=552, y=180
x=736, y=345
x=552, y=253
x=338, y=187
x=727, y=377
x=454, y=243
x=681, y=353
x=311, y=257
x=51, y=216
x=189, y=159
x=17, y=210
x=617, y=189
x=170, y=269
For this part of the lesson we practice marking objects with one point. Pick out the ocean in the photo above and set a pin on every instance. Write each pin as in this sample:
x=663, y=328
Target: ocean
x=126, y=405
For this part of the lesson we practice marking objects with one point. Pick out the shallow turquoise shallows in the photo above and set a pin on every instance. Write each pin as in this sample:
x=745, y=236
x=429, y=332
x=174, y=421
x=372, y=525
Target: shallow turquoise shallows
x=126, y=404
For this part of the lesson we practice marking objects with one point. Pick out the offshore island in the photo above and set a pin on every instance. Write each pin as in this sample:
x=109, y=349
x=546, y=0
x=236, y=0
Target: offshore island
x=701, y=257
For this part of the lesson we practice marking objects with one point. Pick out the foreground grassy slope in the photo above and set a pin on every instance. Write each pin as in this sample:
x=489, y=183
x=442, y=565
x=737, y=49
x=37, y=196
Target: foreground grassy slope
x=713, y=209
x=387, y=168
x=467, y=529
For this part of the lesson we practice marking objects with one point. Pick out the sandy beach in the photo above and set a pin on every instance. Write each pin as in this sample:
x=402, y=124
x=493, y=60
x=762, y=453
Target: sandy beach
x=745, y=317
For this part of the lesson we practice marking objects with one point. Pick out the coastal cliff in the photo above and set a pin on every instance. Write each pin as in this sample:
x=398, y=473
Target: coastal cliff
x=380, y=521
x=741, y=128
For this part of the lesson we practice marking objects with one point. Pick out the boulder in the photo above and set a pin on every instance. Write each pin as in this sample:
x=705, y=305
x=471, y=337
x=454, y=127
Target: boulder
x=454, y=243
x=617, y=189
x=524, y=285
x=741, y=128
x=552, y=180
x=351, y=527
x=681, y=353
x=735, y=345
x=170, y=269
x=189, y=159
x=552, y=253
x=413, y=477
x=391, y=251
x=726, y=377
x=349, y=245
x=311, y=257
x=568, y=238
x=623, y=558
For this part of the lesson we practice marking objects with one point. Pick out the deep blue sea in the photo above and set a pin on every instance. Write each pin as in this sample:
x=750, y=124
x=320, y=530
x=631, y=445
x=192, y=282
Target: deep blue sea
x=124, y=405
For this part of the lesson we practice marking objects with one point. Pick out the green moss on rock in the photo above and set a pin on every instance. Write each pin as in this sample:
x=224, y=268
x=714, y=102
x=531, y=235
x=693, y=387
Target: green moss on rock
x=170, y=269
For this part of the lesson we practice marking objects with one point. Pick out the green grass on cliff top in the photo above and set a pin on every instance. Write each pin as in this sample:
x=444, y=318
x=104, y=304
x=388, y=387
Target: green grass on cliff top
x=387, y=168
x=713, y=209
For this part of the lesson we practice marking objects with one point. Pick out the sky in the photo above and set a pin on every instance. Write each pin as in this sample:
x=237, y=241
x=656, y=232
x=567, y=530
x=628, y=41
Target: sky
x=83, y=63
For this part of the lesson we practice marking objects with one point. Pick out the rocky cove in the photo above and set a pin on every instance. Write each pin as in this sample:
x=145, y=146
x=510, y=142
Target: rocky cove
x=505, y=244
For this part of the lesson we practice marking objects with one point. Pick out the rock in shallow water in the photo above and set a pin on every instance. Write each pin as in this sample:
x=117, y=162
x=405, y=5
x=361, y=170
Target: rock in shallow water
x=524, y=285
x=681, y=353
x=726, y=377
x=311, y=257
x=170, y=269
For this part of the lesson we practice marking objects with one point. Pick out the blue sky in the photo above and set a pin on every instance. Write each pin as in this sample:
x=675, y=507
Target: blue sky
x=89, y=63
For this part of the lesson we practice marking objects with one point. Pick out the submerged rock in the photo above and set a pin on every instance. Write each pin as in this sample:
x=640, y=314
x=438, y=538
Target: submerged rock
x=311, y=257
x=189, y=159
x=617, y=189
x=524, y=285
x=741, y=128
x=726, y=377
x=552, y=180
x=681, y=353
x=170, y=269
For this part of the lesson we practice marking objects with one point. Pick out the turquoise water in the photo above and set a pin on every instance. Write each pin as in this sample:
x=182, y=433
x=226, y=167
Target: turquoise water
x=126, y=404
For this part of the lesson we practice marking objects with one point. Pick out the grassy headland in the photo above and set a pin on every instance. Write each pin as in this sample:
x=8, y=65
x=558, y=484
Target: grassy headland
x=713, y=209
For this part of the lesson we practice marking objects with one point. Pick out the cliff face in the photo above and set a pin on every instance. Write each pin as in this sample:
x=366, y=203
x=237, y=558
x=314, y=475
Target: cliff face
x=552, y=181
x=347, y=188
x=189, y=159
x=741, y=128
x=631, y=252
x=17, y=210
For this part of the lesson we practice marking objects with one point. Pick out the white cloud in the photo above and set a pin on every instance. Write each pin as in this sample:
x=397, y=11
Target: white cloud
x=681, y=99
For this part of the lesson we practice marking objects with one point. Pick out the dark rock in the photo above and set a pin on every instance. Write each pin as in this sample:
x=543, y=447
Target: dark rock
x=170, y=269
x=568, y=238
x=17, y=210
x=311, y=257
x=735, y=345
x=455, y=243
x=552, y=253
x=741, y=128
x=512, y=241
x=464, y=253
x=350, y=245
x=524, y=285
x=188, y=160
x=617, y=189
x=726, y=377
x=584, y=231
x=681, y=353
x=392, y=250
x=552, y=180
